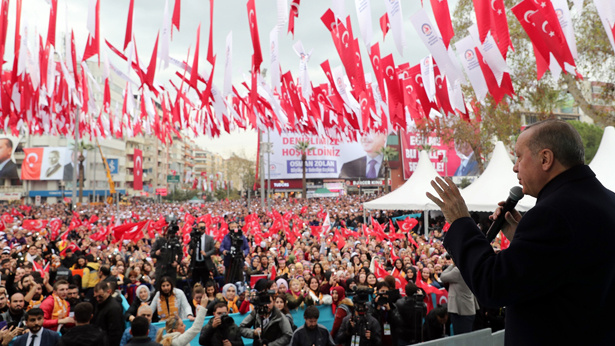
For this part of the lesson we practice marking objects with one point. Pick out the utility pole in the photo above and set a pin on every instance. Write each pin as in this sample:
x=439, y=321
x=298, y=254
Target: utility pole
x=75, y=157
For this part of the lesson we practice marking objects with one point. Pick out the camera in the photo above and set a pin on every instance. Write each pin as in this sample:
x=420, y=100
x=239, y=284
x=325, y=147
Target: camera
x=236, y=243
x=226, y=321
x=261, y=302
x=360, y=300
x=172, y=228
x=382, y=299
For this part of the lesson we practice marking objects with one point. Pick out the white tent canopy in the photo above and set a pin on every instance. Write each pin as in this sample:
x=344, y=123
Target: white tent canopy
x=494, y=184
x=412, y=194
x=603, y=163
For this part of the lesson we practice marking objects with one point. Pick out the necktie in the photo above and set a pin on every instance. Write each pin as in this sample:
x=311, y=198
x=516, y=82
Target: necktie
x=371, y=173
x=33, y=338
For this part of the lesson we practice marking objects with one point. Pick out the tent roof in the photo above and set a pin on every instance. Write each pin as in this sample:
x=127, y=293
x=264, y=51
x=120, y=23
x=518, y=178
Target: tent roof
x=411, y=195
x=603, y=163
x=493, y=186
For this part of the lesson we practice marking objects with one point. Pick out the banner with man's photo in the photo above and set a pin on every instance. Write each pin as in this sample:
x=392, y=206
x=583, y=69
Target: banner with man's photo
x=327, y=158
x=48, y=163
x=444, y=156
x=8, y=168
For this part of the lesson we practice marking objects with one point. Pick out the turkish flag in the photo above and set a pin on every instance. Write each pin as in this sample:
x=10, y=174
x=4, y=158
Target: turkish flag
x=93, y=44
x=34, y=225
x=379, y=270
x=294, y=13
x=256, y=42
x=31, y=166
x=443, y=18
x=491, y=16
x=6, y=218
x=74, y=248
x=129, y=231
x=408, y=224
x=138, y=169
x=385, y=25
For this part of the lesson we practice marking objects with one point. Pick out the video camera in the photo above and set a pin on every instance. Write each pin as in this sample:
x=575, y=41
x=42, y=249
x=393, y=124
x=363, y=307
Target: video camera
x=173, y=227
x=236, y=243
x=261, y=302
x=360, y=300
x=383, y=299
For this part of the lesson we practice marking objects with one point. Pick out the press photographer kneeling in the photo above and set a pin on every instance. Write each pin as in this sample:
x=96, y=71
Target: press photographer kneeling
x=385, y=312
x=411, y=310
x=221, y=330
x=271, y=327
x=360, y=328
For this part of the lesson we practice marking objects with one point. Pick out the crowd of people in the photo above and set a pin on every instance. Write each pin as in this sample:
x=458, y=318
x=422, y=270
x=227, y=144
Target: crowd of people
x=71, y=277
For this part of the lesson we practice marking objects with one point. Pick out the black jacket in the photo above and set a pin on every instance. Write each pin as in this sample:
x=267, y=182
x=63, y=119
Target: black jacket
x=318, y=336
x=573, y=220
x=344, y=335
x=411, y=319
x=277, y=332
x=211, y=336
x=142, y=341
x=84, y=335
x=108, y=317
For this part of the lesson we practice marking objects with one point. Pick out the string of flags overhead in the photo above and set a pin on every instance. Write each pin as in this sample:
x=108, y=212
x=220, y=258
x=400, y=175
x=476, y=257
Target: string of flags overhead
x=42, y=91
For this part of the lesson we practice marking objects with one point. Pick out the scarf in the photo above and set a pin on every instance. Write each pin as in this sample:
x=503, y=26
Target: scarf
x=35, y=303
x=60, y=309
x=168, y=307
x=232, y=305
x=341, y=294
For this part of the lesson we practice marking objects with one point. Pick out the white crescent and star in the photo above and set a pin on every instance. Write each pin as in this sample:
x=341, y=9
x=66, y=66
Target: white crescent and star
x=527, y=16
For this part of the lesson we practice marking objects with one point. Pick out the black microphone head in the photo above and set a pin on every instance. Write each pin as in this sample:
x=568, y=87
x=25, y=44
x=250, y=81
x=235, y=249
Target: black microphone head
x=516, y=193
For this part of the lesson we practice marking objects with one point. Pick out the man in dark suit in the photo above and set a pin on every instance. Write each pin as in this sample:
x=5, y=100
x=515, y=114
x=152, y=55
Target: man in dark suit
x=8, y=168
x=54, y=164
x=201, y=250
x=37, y=336
x=369, y=166
x=108, y=315
x=468, y=165
x=550, y=166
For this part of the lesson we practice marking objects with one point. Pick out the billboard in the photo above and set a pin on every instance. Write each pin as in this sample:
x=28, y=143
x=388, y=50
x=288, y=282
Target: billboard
x=327, y=158
x=8, y=168
x=48, y=163
x=443, y=155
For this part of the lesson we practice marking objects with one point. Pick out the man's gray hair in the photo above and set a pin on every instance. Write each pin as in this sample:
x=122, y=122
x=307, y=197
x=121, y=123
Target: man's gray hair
x=561, y=138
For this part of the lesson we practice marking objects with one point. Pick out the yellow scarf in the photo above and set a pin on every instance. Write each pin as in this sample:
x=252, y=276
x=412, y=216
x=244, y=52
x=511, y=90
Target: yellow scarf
x=60, y=309
x=35, y=303
x=167, y=308
x=232, y=305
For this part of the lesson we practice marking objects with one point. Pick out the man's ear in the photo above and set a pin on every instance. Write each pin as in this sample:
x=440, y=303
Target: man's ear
x=547, y=159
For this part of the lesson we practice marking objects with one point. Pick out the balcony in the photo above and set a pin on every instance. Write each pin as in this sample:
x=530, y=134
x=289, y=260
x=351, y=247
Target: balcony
x=130, y=164
x=130, y=151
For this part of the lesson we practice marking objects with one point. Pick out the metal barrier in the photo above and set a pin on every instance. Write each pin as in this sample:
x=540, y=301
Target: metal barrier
x=326, y=319
x=482, y=337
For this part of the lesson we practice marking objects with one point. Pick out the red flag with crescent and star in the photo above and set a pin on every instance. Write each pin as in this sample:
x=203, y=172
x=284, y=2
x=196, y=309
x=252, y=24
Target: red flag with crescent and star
x=31, y=167
x=138, y=170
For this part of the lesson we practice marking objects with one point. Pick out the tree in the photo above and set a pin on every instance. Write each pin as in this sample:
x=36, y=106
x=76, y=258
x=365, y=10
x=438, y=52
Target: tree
x=591, y=135
x=388, y=153
x=303, y=147
x=539, y=99
x=241, y=168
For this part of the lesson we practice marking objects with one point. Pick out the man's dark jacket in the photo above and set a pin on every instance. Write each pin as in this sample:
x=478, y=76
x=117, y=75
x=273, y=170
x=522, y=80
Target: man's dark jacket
x=211, y=336
x=109, y=318
x=86, y=335
x=542, y=277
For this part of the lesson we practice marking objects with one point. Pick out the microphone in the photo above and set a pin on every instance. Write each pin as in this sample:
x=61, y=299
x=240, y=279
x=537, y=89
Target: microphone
x=516, y=193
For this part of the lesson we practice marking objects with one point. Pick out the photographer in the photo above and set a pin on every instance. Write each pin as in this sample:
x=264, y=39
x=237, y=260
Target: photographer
x=411, y=311
x=234, y=248
x=385, y=312
x=221, y=330
x=360, y=328
x=271, y=327
x=167, y=252
x=312, y=333
x=202, y=246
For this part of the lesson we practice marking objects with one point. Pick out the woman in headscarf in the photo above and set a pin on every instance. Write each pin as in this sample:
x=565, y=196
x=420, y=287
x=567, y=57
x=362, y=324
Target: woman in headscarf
x=341, y=308
x=282, y=287
x=142, y=297
x=229, y=294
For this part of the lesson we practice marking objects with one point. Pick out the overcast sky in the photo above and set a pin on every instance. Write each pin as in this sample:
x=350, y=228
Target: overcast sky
x=229, y=15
